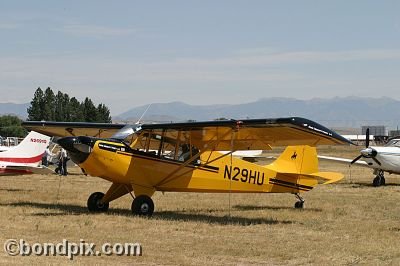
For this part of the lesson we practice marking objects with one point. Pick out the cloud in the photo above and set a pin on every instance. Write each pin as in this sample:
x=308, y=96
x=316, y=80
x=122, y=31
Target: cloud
x=95, y=31
x=9, y=26
x=276, y=66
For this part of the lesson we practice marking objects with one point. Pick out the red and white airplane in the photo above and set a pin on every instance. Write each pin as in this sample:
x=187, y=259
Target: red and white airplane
x=25, y=158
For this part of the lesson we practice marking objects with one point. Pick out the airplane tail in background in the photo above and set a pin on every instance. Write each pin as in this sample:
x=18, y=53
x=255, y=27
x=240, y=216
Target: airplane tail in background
x=300, y=164
x=28, y=153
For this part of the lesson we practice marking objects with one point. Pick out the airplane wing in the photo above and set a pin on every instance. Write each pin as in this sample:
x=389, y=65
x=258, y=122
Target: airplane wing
x=342, y=160
x=225, y=135
x=64, y=129
x=250, y=134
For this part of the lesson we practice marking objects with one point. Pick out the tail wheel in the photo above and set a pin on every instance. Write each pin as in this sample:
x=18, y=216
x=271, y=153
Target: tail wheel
x=143, y=205
x=94, y=205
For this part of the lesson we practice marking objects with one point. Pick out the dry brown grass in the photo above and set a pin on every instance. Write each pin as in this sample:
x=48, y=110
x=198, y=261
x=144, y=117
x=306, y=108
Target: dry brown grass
x=346, y=223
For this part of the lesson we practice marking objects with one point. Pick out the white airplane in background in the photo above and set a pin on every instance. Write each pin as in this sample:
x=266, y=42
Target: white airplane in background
x=25, y=158
x=380, y=158
x=4, y=148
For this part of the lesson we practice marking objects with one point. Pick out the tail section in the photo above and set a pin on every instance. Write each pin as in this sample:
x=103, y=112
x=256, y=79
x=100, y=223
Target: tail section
x=296, y=160
x=297, y=170
x=28, y=153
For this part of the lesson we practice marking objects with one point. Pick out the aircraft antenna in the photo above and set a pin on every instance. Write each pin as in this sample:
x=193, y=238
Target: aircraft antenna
x=138, y=122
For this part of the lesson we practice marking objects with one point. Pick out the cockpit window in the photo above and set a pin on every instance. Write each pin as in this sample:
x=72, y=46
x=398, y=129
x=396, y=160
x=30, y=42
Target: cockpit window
x=165, y=144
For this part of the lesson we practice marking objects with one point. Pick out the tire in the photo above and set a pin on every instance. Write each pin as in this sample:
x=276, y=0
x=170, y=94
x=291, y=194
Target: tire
x=299, y=205
x=377, y=181
x=143, y=206
x=94, y=205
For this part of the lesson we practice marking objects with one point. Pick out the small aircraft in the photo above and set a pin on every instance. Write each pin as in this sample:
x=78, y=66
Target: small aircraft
x=380, y=158
x=186, y=157
x=26, y=157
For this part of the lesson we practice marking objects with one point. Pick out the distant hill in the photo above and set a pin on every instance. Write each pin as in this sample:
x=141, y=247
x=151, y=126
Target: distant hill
x=18, y=109
x=335, y=112
x=350, y=112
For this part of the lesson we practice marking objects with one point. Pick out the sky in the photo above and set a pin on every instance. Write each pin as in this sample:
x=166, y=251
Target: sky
x=131, y=53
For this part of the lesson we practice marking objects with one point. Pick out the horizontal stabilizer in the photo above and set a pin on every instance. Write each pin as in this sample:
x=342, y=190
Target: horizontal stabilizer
x=342, y=160
x=327, y=177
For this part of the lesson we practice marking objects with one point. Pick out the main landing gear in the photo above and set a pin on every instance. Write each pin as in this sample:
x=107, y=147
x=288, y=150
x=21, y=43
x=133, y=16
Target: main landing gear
x=300, y=203
x=94, y=204
x=142, y=205
x=379, y=180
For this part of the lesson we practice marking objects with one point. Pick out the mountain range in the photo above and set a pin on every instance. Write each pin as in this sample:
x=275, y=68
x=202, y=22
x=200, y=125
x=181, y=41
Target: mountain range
x=18, y=109
x=334, y=112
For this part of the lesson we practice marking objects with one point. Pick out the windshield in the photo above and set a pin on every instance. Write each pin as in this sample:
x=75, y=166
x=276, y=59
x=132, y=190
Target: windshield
x=125, y=132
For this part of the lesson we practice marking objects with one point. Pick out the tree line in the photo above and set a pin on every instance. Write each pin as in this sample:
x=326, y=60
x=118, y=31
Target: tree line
x=48, y=106
x=10, y=126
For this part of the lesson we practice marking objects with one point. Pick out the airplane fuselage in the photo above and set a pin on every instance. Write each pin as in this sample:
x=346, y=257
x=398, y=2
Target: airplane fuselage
x=389, y=157
x=213, y=172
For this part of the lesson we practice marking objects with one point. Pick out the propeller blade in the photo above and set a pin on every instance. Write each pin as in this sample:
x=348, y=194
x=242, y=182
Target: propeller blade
x=367, y=138
x=376, y=160
x=356, y=159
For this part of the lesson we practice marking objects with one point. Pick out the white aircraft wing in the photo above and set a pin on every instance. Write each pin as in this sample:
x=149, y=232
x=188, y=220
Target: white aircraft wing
x=343, y=160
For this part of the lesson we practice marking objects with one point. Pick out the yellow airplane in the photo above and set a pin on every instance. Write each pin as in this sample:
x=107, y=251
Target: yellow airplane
x=185, y=157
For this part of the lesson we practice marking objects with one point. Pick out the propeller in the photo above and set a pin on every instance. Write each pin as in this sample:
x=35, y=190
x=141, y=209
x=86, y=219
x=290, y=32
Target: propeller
x=368, y=152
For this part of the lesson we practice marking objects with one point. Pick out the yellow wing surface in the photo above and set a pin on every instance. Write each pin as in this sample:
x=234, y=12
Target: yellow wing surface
x=248, y=134
x=64, y=129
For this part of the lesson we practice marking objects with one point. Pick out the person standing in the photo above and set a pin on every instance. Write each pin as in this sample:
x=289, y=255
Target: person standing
x=63, y=162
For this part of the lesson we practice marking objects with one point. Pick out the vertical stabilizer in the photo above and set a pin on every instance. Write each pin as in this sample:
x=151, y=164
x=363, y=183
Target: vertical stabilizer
x=297, y=160
x=29, y=152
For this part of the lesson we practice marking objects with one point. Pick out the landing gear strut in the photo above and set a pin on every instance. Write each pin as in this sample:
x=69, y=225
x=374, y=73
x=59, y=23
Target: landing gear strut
x=143, y=206
x=300, y=203
x=94, y=204
x=379, y=180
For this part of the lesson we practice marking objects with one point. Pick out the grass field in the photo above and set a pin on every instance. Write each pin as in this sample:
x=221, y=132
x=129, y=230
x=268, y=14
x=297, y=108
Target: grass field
x=346, y=223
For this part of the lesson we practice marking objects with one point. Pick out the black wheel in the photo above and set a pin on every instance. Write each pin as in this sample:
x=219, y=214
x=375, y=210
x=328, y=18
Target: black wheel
x=299, y=205
x=94, y=205
x=377, y=181
x=383, y=181
x=143, y=205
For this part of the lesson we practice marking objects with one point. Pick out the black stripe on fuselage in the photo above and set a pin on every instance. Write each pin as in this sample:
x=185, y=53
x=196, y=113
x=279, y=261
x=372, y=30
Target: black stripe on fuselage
x=289, y=184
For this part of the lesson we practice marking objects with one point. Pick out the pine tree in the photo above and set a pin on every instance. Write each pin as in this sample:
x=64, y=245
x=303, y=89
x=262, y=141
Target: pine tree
x=103, y=114
x=89, y=110
x=76, y=112
x=66, y=107
x=49, y=105
x=36, y=110
x=58, y=107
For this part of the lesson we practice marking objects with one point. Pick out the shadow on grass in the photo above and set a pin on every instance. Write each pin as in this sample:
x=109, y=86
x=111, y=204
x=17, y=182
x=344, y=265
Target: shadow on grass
x=369, y=185
x=275, y=208
x=15, y=190
x=68, y=209
x=221, y=220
